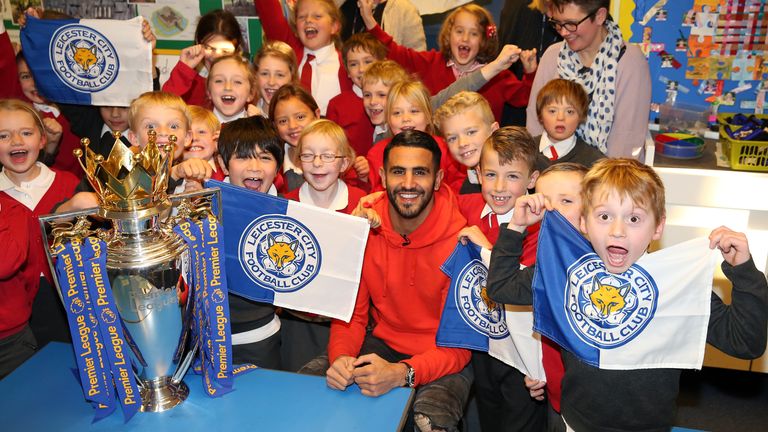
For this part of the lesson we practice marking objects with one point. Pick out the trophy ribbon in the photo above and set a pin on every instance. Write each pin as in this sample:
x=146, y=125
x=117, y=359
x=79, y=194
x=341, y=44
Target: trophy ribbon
x=83, y=325
x=205, y=241
x=94, y=254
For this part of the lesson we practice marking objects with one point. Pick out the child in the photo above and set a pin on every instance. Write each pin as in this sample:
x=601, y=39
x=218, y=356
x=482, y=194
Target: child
x=560, y=186
x=622, y=212
x=375, y=85
x=19, y=279
x=507, y=170
x=167, y=115
x=467, y=41
x=316, y=41
x=230, y=86
x=323, y=154
x=217, y=34
x=346, y=109
x=275, y=66
x=561, y=106
x=35, y=186
x=466, y=121
x=250, y=152
x=409, y=107
x=204, y=130
x=292, y=108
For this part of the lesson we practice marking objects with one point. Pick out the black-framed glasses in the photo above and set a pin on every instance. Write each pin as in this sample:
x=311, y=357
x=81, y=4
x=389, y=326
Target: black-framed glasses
x=324, y=157
x=569, y=25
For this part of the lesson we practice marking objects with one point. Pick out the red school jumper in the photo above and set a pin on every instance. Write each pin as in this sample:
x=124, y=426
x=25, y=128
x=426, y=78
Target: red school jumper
x=347, y=110
x=432, y=68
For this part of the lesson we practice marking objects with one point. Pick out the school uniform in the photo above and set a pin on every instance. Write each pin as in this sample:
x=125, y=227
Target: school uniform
x=328, y=75
x=347, y=110
x=188, y=84
x=571, y=149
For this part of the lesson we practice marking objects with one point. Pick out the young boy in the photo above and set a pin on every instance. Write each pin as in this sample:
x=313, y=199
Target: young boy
x=346, y=109
x=204, y=130
x=561, y=106
x=466, y=121
x=622, y=212
x=251, y=154
x=506, y=168
x=166, y=114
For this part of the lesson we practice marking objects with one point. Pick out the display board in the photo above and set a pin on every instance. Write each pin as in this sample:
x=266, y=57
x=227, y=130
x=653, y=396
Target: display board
x=706, y=53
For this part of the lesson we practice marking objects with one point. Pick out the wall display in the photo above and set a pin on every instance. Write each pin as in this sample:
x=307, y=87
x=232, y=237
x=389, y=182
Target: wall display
x=705, y=52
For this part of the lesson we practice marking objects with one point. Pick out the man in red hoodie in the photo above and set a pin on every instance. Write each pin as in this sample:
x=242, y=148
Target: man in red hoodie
x=403, y=290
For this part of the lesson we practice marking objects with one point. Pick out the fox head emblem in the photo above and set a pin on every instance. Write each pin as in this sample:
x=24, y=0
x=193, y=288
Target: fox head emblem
x=281, y=253
x=84, y=57
x=487, y=300
x=608, y=299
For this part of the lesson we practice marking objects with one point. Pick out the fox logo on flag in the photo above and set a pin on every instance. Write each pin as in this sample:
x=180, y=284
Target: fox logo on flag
x=291, y=254
x=472, y=320
x=654, y=315
x=92, y=62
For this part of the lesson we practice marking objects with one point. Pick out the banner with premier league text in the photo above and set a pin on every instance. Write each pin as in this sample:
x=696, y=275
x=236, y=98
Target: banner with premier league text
x=88, y=62
x=654, y=315
x=472, y=320
x=290, y=254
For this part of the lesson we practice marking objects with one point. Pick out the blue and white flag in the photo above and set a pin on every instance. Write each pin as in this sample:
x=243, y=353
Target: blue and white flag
x=472, y=320
x=291, y=254
x=654, y=315
x=88, y=61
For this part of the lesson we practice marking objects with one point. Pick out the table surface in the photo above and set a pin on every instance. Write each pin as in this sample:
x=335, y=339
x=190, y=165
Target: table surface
x=43, y=394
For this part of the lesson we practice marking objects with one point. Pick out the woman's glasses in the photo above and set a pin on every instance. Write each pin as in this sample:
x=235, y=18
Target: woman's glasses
x=570, y=26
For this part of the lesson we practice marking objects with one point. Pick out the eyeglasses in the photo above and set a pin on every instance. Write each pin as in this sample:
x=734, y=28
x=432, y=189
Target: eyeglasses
x=568, y=25
x=324, y=157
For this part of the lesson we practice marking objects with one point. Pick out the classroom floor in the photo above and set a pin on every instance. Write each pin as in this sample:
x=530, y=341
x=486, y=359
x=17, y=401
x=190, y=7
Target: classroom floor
x=716, y=399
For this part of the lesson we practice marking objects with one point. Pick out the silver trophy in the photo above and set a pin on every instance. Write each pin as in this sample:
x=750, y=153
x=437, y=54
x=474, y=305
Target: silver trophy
x=148, y=265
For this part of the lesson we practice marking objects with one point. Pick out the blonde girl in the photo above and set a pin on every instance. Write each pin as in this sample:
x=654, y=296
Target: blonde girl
x=275, y=65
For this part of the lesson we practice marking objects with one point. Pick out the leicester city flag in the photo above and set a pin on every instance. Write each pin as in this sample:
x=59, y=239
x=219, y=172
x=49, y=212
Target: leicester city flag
x=654, y=315
x=472, y=320
x=291, y=254
x=89, y=62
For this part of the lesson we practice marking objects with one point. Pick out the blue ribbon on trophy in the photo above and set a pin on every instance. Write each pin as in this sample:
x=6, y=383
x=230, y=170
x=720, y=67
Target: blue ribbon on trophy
x=83, y=325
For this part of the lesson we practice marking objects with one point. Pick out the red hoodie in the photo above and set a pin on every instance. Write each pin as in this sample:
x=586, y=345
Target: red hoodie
x=404, y=290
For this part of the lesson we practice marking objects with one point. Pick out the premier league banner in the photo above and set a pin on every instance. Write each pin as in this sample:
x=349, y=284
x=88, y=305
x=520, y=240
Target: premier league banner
x=291, y=254
x=89, y=62
x=472, y=320
x=654, y=315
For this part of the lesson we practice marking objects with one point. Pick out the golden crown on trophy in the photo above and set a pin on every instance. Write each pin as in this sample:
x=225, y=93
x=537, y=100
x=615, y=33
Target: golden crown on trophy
x=129, y=179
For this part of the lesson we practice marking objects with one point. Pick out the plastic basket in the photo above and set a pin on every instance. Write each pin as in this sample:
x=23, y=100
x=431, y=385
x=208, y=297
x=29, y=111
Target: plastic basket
x=743, y=155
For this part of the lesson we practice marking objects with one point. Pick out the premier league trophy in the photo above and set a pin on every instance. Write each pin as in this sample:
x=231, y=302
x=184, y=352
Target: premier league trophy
x=148, y=267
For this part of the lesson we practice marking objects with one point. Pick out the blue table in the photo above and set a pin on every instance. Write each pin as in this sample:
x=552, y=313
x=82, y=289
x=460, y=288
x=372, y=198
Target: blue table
x=43, y=394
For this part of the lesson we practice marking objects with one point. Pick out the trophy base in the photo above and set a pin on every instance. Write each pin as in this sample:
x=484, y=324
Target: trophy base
x=158, y=397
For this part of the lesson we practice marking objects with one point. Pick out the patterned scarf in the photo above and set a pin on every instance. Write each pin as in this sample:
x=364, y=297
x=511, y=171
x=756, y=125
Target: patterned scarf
x=599, y=81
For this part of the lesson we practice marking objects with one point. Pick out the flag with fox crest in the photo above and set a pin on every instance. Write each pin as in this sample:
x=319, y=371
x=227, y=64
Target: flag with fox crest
x=654, y=315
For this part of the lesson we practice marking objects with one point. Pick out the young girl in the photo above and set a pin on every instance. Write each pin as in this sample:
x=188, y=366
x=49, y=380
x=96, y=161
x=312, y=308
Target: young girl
x=217, y=34
x=324, y=154
x=275, y=66
x=409, y=107
x=291, y=110
x=230, y=85
x=38, y=188
x=467, y=42
x=316, y=43
x=205, y=129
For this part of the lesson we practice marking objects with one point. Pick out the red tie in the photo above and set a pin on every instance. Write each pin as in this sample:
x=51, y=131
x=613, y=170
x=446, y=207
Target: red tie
x=306, y=73
x=493, y=221
x=554, y=153
x=492, y=233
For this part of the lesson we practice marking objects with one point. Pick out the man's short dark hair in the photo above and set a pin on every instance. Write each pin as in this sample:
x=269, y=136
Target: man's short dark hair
x=240, y=138
x=417, y=139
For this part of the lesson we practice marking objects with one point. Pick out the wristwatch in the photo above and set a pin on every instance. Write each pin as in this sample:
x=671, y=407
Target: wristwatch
x=410, y=376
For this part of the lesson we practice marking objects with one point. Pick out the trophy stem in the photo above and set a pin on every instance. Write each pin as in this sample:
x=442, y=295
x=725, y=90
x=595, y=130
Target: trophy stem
x=162, y=394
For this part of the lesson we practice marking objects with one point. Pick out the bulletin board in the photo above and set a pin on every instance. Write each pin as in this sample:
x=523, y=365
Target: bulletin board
x=705, y=52
x=173, y=21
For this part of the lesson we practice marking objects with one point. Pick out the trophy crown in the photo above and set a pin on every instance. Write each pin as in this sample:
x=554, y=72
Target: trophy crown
x=128, y=179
